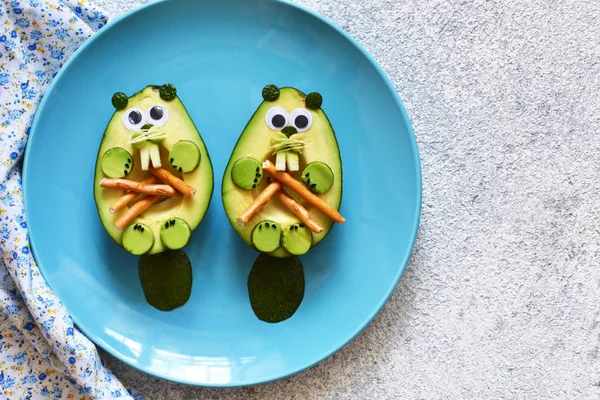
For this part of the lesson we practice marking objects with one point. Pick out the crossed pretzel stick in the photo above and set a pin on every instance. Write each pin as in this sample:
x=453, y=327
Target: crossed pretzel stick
x=275, y=188
x=173, y=186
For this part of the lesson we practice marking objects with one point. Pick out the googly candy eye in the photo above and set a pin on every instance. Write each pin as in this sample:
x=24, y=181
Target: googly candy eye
x=276, y=118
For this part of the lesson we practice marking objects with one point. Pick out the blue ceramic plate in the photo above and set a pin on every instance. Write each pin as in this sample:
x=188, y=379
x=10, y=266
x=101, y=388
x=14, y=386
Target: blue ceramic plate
x=219, y=54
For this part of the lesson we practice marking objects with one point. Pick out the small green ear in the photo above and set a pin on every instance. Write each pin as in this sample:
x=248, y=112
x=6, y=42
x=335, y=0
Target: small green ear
x=313, y=100
x=119, y=100
x=270, y=93
x=167, y=91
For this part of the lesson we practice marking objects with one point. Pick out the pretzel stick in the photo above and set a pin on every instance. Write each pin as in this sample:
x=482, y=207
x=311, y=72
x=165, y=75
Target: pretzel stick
x=135, y=210
x=174, y=181
x=303, y=192
x=258, y=203
x=300, y=212
x=125, y=184
x=129, y=197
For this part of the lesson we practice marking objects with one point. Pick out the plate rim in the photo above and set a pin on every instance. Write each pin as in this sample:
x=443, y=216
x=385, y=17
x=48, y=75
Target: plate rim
x=403, y=263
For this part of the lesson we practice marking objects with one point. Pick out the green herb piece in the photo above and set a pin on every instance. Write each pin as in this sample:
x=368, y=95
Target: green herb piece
x=270, y=93
x=167, y=91
x=119, y=100
x=314, y=100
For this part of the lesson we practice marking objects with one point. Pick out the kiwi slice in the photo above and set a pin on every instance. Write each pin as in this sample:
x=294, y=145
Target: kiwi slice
x=266, y=236
x=175, y=233
x=116, y=162
x=138, y=239
x=318, y=177
x=297, y=239
x=184, y=156
x=166, y=279
x=246, y=173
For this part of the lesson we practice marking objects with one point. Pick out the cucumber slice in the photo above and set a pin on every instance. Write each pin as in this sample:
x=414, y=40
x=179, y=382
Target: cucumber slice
x=138, y=239
x=116, y=162
x=247, y=173
x=297, y=239
x=184, y=156
x=175, y=233
x=317, y=177
x=266, y=236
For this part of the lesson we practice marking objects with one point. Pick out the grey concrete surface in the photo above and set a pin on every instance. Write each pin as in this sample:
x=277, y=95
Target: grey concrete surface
x=500, y=300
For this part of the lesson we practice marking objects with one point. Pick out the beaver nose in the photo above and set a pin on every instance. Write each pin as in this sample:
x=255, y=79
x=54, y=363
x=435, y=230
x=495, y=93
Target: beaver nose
x=289, y=131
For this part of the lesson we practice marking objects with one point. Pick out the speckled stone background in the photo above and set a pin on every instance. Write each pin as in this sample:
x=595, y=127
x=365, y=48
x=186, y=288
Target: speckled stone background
x=501, y=298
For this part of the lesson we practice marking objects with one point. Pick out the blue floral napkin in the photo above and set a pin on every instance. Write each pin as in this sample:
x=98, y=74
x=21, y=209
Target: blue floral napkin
x=42, y=354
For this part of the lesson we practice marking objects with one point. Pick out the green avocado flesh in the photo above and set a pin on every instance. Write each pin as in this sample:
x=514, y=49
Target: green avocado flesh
x=255, y=142
x=276, y=287
x=166, y=279
x=178, y=127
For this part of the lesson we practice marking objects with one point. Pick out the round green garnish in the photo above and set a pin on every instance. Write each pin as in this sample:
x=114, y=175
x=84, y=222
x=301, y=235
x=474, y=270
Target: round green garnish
x=318, y=177
x=184, y=156
x=175, y=233
x=116, y=162
x=289, y=131
x=167, y=91
x=266, y=236
x=119, y=100
x=297, y=239
x=138, y=239
x=166, y=279
x=246, y=173
x=270, y=93
x=275, y=287
x=313, y=100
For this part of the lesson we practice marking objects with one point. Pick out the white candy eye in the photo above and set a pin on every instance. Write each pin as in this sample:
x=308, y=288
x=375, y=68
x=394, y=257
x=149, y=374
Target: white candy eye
x=133, y=119
x=157, y=116
x=301, y=119
x=276, y=118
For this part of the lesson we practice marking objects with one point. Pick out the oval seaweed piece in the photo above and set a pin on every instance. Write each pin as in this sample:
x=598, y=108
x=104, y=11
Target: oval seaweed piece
x=276, y=287
x=166, y=279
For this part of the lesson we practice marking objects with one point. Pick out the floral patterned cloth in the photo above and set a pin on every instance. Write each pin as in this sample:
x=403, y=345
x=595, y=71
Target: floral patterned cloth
x=42, y=354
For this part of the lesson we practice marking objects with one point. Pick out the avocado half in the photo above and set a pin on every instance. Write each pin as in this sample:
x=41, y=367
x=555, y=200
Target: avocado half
x=178, y=127
x=255, y=142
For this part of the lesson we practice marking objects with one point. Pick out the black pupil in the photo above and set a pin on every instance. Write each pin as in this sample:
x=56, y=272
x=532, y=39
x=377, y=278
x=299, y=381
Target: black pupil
x=278, y=121
x=301, y=121
x=135, y=117
x=156, y=112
